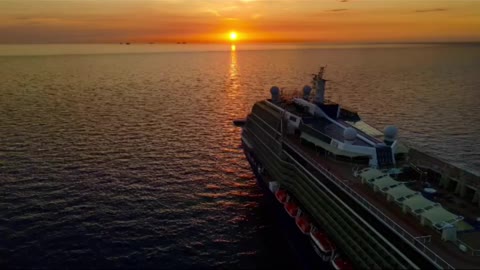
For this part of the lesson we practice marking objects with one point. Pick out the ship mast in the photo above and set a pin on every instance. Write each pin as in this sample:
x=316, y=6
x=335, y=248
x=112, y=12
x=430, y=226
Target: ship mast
x=318, y=83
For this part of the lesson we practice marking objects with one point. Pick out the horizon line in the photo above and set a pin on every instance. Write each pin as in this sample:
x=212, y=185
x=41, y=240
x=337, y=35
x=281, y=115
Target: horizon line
x=245, y=43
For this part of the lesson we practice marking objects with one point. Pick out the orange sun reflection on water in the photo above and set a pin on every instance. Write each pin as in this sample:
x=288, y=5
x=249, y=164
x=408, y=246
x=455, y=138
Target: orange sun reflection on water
x=233, y=68
x=234, y=86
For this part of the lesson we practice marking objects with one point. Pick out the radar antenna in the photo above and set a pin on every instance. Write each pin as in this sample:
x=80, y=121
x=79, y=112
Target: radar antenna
x=319, y=75
x=318, y=84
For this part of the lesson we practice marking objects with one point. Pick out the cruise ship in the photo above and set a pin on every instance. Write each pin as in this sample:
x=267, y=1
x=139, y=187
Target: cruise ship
x=354, y=196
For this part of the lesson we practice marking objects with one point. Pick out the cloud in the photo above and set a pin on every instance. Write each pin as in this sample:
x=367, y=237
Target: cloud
x=431, y=10
x=213, y=12
x=338, y=9
x=343, y=1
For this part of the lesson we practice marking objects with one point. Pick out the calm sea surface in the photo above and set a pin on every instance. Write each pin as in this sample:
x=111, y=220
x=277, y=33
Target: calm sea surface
x=125, y=156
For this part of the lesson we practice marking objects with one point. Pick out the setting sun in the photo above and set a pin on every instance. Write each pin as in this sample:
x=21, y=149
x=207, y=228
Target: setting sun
x=233, y=36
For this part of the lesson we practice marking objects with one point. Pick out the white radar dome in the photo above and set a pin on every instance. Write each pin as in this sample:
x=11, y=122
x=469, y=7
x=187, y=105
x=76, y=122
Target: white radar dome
x=307, y=90
x=275, y=91
x=390, y=132
x=349, y=134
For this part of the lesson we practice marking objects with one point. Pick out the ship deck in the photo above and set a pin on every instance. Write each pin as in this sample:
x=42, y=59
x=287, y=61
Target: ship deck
x=333, y=131
x=448, y=251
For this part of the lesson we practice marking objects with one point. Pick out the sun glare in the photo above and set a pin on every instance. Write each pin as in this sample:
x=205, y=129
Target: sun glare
x=233, y=36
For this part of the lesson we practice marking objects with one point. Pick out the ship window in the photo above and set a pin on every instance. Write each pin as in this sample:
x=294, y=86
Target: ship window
x=292, y=118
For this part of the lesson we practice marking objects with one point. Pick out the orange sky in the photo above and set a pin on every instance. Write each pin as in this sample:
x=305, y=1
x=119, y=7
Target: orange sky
x=100, y=21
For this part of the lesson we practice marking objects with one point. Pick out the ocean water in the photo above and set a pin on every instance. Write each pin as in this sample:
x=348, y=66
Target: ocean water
x=125, y=156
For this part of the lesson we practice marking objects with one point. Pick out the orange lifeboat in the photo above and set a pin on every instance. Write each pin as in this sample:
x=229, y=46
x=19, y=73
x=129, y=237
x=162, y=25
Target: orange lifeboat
x=339, y=263
x=322, y=244
x=281, y=195
x=292, y=208
x=303, y=223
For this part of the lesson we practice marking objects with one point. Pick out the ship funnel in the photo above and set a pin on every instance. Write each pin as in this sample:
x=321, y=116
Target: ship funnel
x=390, y=134
x=319, y=84
x=349, y=135
x=306, y=92
x=275, y=91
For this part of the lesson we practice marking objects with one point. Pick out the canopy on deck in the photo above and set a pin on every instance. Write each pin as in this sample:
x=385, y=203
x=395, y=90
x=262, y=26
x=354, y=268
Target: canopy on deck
x=330, y=148
x=439, y=217
x=384, y=183
x=400, y=193
x=418, y=204
x=369, y=174
x=366, y=128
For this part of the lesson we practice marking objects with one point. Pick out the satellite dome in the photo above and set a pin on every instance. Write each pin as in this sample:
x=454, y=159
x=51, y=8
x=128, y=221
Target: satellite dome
x=307, y=89
x=349, y=134
x=390, y=132
x=275, y=91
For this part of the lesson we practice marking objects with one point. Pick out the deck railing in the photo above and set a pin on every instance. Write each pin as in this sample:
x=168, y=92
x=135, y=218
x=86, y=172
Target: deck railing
x=474, y=252
x=416, y=242
x=424, y=239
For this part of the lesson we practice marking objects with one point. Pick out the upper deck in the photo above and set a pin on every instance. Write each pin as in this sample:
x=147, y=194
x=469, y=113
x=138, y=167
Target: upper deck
x=408, y=226
x=333, y=129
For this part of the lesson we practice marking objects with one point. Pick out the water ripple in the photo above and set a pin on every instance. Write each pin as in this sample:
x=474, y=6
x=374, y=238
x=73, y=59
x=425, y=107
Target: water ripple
x=131, y=160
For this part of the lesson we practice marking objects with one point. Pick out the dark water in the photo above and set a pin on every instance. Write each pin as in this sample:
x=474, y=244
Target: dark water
x=130, y=160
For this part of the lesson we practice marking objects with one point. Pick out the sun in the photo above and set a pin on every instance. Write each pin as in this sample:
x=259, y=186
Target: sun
x=233, y=36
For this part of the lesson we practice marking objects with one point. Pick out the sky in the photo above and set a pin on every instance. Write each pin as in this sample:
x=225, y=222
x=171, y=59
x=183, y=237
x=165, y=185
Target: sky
x=210, y=21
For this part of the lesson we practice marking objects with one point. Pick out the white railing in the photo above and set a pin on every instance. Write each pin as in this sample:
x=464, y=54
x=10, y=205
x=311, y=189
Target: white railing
x=416, y=242
x=424, y=239
x=474, y=252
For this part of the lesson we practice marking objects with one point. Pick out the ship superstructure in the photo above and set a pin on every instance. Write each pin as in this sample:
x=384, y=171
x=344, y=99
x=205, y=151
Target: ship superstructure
x=361, y=192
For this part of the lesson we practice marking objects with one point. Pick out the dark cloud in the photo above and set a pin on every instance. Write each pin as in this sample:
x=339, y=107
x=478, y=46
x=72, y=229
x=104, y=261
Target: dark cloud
x=431, y=10
x=338, y=9
x=343, y=1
